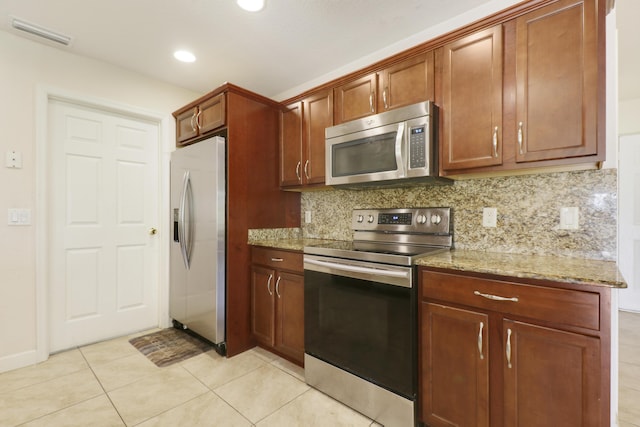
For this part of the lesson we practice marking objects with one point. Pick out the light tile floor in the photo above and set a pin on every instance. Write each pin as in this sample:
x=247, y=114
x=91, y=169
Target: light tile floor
x=112, y=384
x=629, y=405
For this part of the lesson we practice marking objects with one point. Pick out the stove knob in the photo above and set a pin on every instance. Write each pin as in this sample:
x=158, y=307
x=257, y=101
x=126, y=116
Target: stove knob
x=436, y=219
x=360, y=218
x=370, y=219
x=421, y=219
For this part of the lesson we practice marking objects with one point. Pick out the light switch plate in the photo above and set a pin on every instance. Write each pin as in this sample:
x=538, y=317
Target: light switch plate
x=14, y=159
x=19, y=217
x=307, y=217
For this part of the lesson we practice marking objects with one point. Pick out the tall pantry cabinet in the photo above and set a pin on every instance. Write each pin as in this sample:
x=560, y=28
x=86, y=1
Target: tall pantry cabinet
x=254, y=198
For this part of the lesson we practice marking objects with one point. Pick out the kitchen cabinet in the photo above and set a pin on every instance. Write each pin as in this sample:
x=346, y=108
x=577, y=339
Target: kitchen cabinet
x=198, y=120
x=254, y=199
x=404, y=83
x=455, y=363
x=557, y=81
x=277, y=301
x=527, y=93
x=503, y=352
x=302, y=140
x=471, y=106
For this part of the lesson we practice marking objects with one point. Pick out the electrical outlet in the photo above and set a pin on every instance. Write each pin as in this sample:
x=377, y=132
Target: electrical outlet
x=489, y=217
x=569, y=218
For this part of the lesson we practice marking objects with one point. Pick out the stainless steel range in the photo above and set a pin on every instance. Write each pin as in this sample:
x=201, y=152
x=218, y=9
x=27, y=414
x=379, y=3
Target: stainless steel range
x=361, y=310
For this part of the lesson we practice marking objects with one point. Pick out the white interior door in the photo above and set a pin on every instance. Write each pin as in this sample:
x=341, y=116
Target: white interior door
x=103, y=192
x=629, y=221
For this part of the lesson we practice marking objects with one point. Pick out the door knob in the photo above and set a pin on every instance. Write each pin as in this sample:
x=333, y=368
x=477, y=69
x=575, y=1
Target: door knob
x=153, y=231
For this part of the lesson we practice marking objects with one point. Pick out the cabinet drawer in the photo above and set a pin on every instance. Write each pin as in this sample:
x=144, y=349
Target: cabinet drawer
x=278, y=259
x=560, y=306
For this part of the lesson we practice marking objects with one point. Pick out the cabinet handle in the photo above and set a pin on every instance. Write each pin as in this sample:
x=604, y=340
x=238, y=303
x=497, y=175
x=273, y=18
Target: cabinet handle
x=198, y=119
x=306, y=169
x=509, y=348
x=480, y=340
x=278, y=286
x=298, y=172
x=495, y=297
x=193, y=118
x=371, y=102
x=277, y=259
x=269, y=284
x=384, y=98
x=520, y=137
x=495, y=142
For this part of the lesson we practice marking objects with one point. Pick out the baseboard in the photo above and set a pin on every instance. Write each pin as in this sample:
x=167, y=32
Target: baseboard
x=19, y=360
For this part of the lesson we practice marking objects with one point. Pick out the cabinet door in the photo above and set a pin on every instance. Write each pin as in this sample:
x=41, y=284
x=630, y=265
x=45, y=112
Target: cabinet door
x=406, y=83
x=186, y=127
x=290, y=315
x=318, y=115
x=355, y=99
x=454, y=366
x=551, y=377
x=471, y=105
x=262, y=304
x=557, y=81
x=212, y=114
x=291, y=145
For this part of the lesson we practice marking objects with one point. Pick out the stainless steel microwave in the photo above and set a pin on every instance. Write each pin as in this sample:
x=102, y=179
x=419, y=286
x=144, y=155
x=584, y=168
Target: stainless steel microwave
x=394, y=147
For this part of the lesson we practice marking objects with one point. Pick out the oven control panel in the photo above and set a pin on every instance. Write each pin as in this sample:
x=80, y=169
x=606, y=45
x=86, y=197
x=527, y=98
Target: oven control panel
x=406, y=220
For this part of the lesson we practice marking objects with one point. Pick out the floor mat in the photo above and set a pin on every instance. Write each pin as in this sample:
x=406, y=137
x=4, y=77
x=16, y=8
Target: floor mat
x=169, y=346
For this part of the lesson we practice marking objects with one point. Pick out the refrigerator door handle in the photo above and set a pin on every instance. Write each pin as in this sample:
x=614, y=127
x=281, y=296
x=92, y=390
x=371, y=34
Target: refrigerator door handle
x=183, y=233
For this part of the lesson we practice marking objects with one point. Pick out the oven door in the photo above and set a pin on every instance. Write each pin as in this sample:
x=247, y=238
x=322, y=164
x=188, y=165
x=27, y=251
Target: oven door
x=361, y=317
x=367, y=156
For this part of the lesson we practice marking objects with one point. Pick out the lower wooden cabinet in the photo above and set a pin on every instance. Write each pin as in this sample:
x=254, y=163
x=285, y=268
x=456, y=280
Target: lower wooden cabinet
x=488, y=357
x=455, y=366
x=550, y=376
x=277, y=301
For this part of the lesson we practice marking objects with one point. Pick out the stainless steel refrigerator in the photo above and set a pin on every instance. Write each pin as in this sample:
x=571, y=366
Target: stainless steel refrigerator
x=198, y=201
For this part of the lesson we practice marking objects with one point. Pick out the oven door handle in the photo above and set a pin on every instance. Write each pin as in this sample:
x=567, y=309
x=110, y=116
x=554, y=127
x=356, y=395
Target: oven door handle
x=358, y=269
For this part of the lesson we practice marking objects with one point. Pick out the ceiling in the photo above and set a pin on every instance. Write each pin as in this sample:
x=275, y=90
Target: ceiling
x=290, y=44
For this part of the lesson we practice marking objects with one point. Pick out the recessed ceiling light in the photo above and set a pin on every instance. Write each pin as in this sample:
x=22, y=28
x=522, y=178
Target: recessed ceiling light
x=184, y=56
x=251, y=5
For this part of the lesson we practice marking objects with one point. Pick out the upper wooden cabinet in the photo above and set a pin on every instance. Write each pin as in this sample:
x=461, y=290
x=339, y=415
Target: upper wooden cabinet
x=302, y=140
x=524, y=94
x=197, y=121
x=471, y=105
x=404, y=83
x=557, y=81
x=355, y=99
x=291, y=145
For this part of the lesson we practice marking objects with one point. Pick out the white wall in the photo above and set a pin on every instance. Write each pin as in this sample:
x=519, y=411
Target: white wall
x=26, y=67
x=629, y=116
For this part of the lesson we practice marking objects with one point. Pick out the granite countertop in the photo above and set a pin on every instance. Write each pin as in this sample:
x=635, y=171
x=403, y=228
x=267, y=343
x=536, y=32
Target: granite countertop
x=559, y=269
x=290, y=244
x=555, y=268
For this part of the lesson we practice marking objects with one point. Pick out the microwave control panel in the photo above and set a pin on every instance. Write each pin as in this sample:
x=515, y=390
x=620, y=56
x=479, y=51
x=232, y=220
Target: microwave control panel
x=417, y=147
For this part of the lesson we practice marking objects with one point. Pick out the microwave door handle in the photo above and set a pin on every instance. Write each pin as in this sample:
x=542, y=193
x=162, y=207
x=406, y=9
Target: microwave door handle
x=400, y=137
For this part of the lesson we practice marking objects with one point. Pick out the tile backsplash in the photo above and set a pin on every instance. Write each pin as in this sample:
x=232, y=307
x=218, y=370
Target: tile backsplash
x=528, y=212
